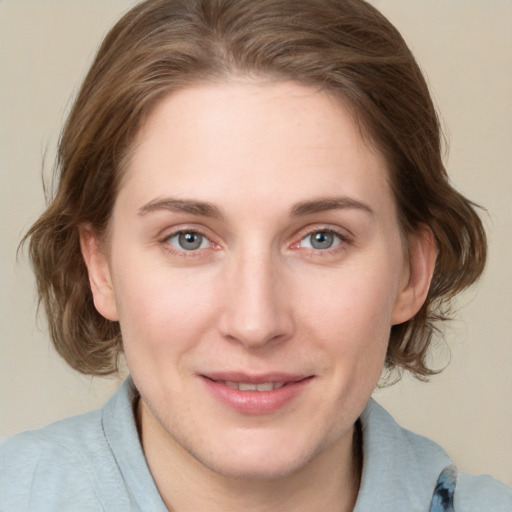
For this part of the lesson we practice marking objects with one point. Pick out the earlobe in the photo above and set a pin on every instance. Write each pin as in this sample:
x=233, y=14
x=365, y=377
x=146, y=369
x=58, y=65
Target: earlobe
x=98, y=268
x=422, y=258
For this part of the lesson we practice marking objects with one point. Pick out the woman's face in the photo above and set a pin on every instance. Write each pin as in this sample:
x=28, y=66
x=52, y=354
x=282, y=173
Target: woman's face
x=256, y=266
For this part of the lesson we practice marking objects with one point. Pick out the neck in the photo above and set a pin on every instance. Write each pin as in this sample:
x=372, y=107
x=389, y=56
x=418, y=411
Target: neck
x=328, y=482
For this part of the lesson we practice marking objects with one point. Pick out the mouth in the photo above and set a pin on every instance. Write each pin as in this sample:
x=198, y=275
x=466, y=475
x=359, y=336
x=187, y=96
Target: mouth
x=247, y=386
x=261, y=394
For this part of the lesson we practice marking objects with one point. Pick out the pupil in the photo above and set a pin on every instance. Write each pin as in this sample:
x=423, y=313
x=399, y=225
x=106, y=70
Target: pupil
x=322, y=240
x=190, y=241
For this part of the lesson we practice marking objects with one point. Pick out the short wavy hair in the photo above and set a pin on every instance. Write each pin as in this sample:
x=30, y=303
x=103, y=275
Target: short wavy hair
x=345, y=47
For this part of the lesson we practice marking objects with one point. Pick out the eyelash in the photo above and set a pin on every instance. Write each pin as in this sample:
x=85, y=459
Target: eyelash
x=344, y=239
x=165, y=242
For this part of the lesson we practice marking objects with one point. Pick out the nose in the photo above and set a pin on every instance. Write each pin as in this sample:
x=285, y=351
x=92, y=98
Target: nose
x=257, y=311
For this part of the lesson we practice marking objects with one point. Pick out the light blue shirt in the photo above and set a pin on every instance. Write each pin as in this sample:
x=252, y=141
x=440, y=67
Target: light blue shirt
x=94, y=462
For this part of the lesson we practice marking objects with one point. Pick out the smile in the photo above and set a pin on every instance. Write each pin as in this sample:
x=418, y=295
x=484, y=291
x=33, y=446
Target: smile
x=256, y=395
x=247, y=386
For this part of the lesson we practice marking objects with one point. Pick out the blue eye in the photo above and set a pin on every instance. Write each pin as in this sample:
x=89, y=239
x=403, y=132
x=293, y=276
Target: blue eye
x=189, y=241
x=321, y=240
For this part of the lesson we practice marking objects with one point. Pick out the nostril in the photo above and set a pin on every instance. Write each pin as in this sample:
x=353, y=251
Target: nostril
x=255, y=309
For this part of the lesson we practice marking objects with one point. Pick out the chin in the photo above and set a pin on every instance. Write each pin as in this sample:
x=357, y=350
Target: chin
x=253, y=458
x=246, y=469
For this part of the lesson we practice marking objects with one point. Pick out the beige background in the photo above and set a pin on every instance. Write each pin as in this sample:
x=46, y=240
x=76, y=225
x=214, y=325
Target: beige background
x=465, y=48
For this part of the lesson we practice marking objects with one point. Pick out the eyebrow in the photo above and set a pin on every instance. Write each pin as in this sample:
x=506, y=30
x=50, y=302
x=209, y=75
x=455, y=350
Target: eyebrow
x=297, y=210
x=182, y=206
x=329, y=203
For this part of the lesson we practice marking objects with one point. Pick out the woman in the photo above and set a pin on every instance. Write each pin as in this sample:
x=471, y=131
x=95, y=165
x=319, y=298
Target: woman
x=253, y=210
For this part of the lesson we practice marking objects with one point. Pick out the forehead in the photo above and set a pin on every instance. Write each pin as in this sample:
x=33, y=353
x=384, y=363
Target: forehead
x=276, y=140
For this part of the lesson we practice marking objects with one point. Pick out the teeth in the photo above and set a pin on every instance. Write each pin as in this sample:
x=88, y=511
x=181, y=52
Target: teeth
x=246, y=386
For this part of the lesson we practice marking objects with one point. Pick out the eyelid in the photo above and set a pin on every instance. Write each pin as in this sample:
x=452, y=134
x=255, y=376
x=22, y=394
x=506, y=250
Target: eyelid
x=335, y=239
x=167, y=234
x=343, y=234
x=205, y=242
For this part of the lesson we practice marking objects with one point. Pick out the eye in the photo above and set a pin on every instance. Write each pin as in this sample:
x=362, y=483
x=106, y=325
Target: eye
x=189, y=241
x=321, y=240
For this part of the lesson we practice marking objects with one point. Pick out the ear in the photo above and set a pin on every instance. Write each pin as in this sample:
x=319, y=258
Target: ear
x=416, y=283
x=98, y=268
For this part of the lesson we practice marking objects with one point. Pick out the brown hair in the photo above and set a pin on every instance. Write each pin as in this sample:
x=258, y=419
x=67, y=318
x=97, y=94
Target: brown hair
x=343, y=46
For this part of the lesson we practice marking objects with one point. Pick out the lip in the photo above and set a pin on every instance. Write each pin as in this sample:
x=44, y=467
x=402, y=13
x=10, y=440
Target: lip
x=256, y=402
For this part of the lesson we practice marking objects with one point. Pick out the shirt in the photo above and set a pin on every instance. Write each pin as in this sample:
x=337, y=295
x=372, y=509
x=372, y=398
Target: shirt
x=95, y=462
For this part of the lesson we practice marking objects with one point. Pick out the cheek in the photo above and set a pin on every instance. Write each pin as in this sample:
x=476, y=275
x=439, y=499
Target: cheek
x=162, y=312
x=352, y=302
x=349, y=316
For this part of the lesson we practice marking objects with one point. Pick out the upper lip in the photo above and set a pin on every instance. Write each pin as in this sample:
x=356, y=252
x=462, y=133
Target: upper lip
x=251, y=378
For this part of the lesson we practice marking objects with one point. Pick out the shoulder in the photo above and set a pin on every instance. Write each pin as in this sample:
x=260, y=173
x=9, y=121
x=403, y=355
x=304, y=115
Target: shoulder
x=401, y=471
x=75, y=464
x=51, y=467
x=477, y=493
x=400, y=468
x=414, y=454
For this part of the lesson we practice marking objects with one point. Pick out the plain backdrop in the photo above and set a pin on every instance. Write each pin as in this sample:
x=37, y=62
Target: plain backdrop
x=465, y=49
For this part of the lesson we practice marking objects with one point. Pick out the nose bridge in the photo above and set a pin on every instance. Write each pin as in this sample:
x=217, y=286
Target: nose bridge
x=255, y=312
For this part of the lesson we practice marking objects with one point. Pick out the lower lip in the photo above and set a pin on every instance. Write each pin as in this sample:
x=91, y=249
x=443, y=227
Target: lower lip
x=257, y=402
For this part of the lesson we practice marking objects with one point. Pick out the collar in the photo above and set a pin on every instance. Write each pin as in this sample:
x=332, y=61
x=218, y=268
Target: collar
x=119, y=426
x=400, y=469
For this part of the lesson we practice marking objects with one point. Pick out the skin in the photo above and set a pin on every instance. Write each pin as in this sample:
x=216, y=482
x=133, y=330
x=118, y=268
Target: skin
x=256, y=296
